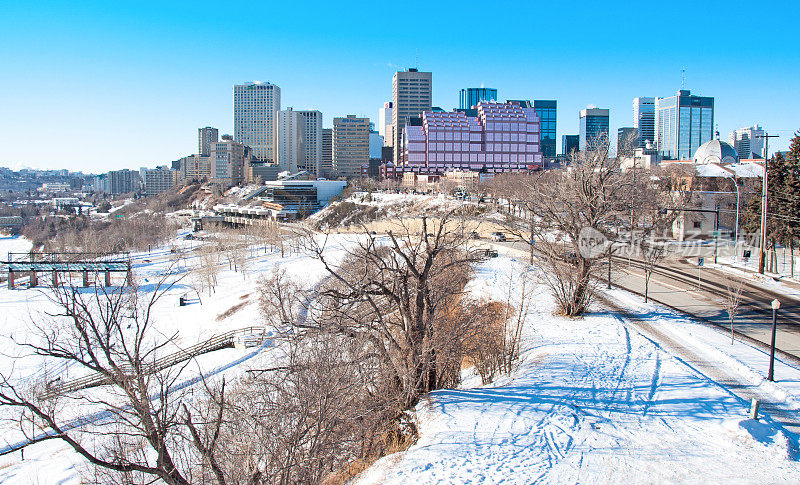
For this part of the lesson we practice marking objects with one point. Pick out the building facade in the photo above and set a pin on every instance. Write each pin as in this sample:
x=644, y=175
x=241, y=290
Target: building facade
x=255, y=105
x=569, y=143
x=350, y=145
x=627, y=140
x=205, y=137
x=385, y=123
x=748, y=142
x=682, y=123
x=375, y=143
x=470, y=97
x=195, y=166
x=228, y=158
x=412, y=93
x=644, y=119
x=327, y=151
x=593, y=124
x=546, y=109
x=289, y=140
x=502, y=138
x=156, y=180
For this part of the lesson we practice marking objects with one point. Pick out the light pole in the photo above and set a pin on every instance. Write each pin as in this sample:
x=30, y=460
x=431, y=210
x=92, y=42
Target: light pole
x=736, y=227
x=775, y=306
x=766, y=137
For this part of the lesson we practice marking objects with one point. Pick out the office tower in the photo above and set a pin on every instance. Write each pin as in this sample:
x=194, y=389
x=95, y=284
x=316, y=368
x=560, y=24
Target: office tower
x=522, y=103
x=683, y=122
x=350, y=145
x=569, y=143
x=375, y=142
x=546, y=109
x=227, y=161
x=310, y=158
x=255, y=105
x=593, y=124
x=748, y=142
x=472, y=96
x=288, y=140
x=205, y=137
x=385, y=123
x=644, y=119
x=327, y=151
x=122, y=182
x=156, y=180
x=412, y=93
x=627, y=140
x=501, y=138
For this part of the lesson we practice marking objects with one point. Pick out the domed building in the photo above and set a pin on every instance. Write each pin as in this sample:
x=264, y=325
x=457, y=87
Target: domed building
x=715, y=151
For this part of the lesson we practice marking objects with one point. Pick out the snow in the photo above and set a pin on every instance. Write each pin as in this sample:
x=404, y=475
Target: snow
x=13, y=244
x=592, y=402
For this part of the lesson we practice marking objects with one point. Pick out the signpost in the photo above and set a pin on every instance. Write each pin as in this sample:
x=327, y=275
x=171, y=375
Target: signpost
x=699, y=265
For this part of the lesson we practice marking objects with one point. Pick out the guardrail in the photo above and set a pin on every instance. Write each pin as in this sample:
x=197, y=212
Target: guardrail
x=250, y=336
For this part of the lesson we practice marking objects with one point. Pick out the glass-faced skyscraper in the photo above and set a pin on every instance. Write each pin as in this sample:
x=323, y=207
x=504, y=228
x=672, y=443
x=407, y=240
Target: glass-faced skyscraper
x=594, y=123
x=254, y=111
x=472, y=96
x=546, y=109
x=644, y=116
x=683, y=123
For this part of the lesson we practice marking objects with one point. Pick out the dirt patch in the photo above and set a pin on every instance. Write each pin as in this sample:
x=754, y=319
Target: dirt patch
x=230, y=311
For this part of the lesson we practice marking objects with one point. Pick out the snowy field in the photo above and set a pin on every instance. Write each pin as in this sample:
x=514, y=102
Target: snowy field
x=592, y=401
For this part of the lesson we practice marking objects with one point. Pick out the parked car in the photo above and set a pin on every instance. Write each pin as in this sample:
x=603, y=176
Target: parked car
x=498, y=236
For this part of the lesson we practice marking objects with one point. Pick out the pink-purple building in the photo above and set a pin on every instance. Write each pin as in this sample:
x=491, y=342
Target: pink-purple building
x=502, y=138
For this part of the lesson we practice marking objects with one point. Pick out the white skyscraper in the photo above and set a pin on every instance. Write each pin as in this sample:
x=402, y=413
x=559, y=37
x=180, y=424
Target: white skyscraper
x=385, y=123
x=254, y=111
x=311, y=139
x=288, y=139
x=748, y=142
x=227, y=161
x=644, y=119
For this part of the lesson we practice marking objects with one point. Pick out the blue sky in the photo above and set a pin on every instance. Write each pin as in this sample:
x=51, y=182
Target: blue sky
x=95, y=86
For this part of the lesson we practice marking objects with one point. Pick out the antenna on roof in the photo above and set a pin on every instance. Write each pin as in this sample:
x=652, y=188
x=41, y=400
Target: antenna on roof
x=683, y=78
x=416, y=58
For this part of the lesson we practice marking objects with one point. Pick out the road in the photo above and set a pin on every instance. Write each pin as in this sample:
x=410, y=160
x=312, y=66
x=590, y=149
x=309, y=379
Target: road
x=675, y=284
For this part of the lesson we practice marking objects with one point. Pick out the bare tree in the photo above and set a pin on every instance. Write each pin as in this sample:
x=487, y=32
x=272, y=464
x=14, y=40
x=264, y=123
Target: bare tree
x=136, y=429
x=733, y=299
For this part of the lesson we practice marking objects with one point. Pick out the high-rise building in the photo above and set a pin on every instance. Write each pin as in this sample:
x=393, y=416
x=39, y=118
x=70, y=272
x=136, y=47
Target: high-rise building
x=311, y=140
x=227, y=161
x=472, y=96
x=255, y=105
x=205, y=137
x=156, y=180
x=683, y=122
x=350, y=145
x=375, y=142
x=385, y=123
x=122, y=182
x=569, y=143
x=546, y=109
x=748, y=142
x=593, y=124
x=195, y=166
x=502, y=138
x=644, y=119
x=327, y=151
x=412, y=93
x=288, y=139
x=627, y=139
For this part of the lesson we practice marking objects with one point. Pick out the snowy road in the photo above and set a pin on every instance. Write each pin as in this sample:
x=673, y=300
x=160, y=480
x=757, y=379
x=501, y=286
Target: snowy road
x=593, y=402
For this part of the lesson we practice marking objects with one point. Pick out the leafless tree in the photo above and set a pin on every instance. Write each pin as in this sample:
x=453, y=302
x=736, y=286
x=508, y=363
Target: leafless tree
x=136, y=429
x=733, y=299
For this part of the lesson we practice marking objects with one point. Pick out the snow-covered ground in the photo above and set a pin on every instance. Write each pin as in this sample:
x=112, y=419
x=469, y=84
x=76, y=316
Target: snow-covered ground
x=592, y=402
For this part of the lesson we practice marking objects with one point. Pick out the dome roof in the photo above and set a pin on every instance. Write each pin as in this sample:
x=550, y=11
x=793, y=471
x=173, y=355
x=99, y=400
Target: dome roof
x=715, y=151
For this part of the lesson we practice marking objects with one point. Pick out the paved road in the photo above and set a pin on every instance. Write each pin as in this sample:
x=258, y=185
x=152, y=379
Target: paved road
x=675, y=284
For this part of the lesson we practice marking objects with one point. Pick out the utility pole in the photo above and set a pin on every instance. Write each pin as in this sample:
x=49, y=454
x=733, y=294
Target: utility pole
x=763, y=238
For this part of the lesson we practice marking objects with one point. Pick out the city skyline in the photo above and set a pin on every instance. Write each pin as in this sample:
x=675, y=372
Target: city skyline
x=141, y=86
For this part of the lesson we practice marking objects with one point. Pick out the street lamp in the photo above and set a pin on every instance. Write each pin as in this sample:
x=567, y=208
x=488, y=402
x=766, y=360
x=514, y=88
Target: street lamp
x=736, y=228
x=775, y=306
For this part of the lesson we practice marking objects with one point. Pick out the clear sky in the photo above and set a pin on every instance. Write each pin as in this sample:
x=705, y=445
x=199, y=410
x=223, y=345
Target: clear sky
x=101, y=85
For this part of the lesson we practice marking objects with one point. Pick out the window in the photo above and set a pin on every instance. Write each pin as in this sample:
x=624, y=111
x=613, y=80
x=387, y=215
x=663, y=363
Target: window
x=699, y=224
